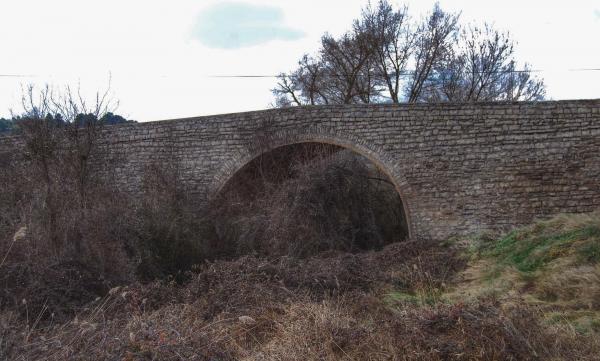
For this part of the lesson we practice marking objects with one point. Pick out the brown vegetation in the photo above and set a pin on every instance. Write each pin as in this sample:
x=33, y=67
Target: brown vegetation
x=336, y=306
x=304, y=199
x=304, y=261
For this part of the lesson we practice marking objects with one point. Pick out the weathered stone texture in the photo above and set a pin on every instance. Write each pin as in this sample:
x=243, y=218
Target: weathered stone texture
x=459, y=168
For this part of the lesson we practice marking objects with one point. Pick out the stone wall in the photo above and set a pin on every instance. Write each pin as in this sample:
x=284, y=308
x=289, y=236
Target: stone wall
x=459, y=168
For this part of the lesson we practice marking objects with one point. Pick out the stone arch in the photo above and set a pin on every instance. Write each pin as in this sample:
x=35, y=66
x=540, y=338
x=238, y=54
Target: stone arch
x=270, y=141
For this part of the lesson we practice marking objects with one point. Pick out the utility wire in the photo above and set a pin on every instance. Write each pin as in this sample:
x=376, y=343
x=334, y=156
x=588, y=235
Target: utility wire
x=411, y=73
x=404, y=73
x=18, y=76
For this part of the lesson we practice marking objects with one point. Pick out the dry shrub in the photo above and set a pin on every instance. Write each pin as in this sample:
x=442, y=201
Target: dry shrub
x=171, y=233
x=242, y=284
x=83, y=236
x=336, y=329
x=12, y=195
x=255, y=309
x=304, y=199
x=307, y=199
x=72, y=247
x=227, y=310
x=55, y=282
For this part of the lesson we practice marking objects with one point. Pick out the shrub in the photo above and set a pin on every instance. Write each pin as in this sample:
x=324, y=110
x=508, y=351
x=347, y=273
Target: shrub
x=73, y=250
x=304, y=199
x=171, y=235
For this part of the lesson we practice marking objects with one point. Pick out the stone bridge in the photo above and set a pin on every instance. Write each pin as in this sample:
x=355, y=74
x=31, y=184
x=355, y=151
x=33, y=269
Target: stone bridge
x=459, y=168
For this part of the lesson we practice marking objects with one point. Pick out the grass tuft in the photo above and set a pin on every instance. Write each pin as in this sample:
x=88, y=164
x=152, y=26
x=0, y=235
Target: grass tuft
x=533, y=248
x=553, y=265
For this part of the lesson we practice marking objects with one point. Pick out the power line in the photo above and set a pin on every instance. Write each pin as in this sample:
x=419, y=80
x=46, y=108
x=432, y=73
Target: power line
x=411, y=72
x=404, y=73
x=18, y=76
x=241, y=76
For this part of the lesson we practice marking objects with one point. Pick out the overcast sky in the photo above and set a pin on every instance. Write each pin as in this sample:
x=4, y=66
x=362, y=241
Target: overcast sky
x=161, y=54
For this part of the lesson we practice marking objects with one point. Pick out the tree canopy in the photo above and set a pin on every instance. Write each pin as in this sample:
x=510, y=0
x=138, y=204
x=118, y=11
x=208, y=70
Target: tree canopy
x=387, y=56
x=12, y=124
x=6, y=125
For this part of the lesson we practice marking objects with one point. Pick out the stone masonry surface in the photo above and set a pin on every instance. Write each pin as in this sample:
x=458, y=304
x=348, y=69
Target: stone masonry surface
x=460, y=168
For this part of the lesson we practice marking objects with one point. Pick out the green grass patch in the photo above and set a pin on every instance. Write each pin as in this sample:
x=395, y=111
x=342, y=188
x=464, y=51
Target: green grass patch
x=529, y=254
x=532, y=248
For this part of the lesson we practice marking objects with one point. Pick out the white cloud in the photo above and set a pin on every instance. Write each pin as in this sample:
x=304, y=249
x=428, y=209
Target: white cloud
x=232, y=25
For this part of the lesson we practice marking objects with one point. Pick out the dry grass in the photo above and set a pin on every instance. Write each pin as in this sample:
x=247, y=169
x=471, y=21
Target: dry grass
x=553, y=265
x=333, y=307
x=231, y=309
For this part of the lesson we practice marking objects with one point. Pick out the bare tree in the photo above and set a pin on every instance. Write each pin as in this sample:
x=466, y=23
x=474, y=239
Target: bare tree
x=43, y=140
x=521, y=85
x=65, y=103
x=391, y=39
x=481, y=68
x=303, y=86
x=348, y=68
x=65, y=118
x=60, y=131
x=341, y=74
x=448, y=62
x=433, y=41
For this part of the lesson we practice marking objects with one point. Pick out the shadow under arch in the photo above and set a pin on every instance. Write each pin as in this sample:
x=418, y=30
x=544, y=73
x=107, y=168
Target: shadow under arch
x=270, y=142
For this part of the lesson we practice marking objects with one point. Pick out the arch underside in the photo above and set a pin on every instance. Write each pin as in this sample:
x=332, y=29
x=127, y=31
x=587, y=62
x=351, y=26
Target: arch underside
x=270, y=142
